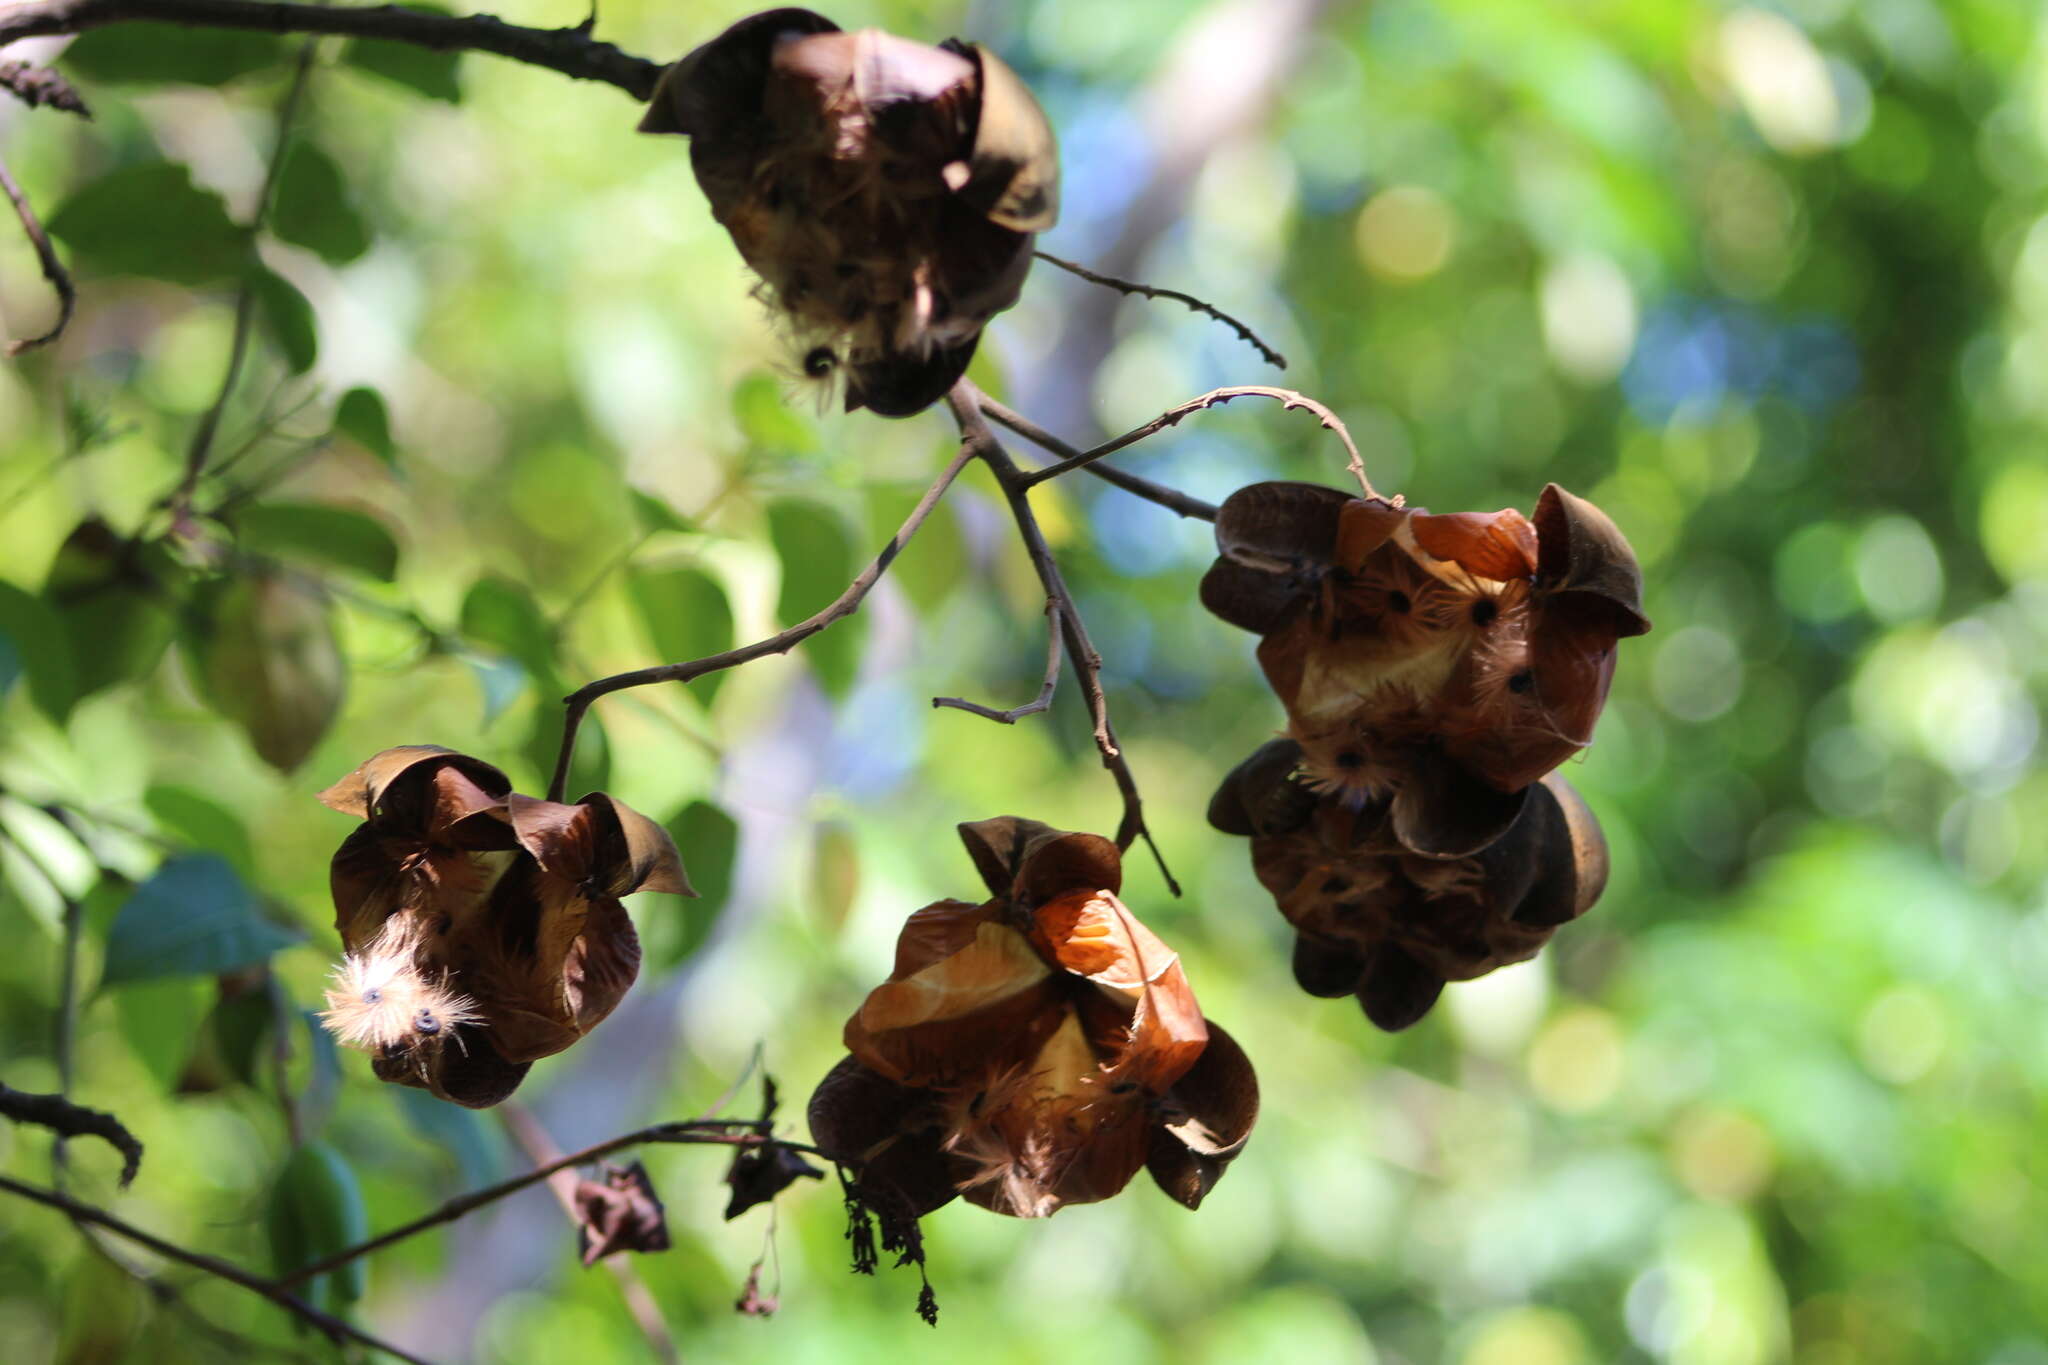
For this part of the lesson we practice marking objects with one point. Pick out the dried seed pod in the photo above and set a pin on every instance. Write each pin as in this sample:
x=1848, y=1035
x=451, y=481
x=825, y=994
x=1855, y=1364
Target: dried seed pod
x=480, y=929
x=885, y=191
x=1390, y=918
x=1396, y=639
x=1029, y=1052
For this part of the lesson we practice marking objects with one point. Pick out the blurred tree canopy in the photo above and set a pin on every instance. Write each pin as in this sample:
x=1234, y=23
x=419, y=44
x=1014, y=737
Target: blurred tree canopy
x=1768, y=282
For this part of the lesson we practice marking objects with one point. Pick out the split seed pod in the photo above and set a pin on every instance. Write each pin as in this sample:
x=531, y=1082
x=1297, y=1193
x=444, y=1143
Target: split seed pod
x=885, y=191
x=1035, y=1050
x=481, y=929
x=1379, y=917
x=1392, y=636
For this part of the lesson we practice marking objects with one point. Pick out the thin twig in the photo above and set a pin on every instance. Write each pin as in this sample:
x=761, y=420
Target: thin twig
x=201, y=446
x=66, y=1119
x=336, y=1329
x=1038, y=703
x=1172, y=499
x=570, y=51
x=36, y=86
x=965, y=401
x=842, y=606
x=703, y=1132
x=1271, y=356
x=1287, y=398
x=533, y=1139
x=46, y=255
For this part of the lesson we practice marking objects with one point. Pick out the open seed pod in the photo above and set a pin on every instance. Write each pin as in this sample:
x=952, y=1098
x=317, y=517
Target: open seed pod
x=481, y=929
x=885, y=191
x=1382, y=920
x=1034, y=1050
x=1393, y=636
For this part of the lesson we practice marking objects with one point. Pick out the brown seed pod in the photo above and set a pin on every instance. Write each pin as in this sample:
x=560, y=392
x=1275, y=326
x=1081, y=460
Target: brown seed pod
x=480, y=929
x=885, y=191
x=1034, y=1050
x=1380, y=915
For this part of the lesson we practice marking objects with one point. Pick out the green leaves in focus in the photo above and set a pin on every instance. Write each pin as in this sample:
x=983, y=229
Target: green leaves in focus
x=266, y=657
x=189, y=238
x=335, y=535
x=709, y=841
x=193, y=917
x=686, y=616
x=312, y=207
x=316, y=1209
x=150, y=53
x=817, y=558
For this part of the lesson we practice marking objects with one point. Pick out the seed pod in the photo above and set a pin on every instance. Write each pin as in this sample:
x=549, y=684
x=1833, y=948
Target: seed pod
x=885, y=191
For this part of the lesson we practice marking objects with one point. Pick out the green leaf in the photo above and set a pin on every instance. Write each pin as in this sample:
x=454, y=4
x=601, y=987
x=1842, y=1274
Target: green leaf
x=267, y=659
x=228, y=1047
x=459, y=1133
x=10, y=662
x=114, y=602
x=134, y=53
x=503, y=616
x=817, y=564
x=655, y=514
x=39, y=636
x=193, y=917
x=289, y=317
x=501, y=682
x=361, y=417
x=436, y=75
x=323, y=1074
x=686, y=616
x=336, y=535
x=316, y=1209
x=313, y=208
x=185, y=237
x=707, y=838
x=160, y=1020
x=202, y=822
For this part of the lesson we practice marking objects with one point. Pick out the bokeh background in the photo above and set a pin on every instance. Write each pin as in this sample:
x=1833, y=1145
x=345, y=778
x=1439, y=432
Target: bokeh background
x=1768, y=282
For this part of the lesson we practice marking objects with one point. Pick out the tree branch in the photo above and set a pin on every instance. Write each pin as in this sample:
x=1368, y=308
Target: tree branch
x=703, y=1132
x=46, y=255
x=1038, y=703
x=841, y=607
x=1287, y=398
x=965, y=401
x=1171, y=499
x=336, y=1329
x=66, y=1119
x=36, y=86
x=1271, y=356
x=571, y=51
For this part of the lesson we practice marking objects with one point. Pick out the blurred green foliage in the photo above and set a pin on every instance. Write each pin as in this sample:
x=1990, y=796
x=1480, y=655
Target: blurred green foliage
x=1769, y=284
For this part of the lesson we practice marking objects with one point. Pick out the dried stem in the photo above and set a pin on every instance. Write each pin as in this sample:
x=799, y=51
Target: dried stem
x=706, y=1132
x=53, y=269
x=1271, y=356
x=570, y=51
x=36, y=86
x=336, y=1329
x=66, y=1119
x=533, y=1139
x=1038, y=703
x=965, y=400
x=841, y=607
x=1287, y=398
x=1171, y=499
